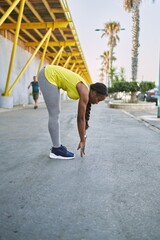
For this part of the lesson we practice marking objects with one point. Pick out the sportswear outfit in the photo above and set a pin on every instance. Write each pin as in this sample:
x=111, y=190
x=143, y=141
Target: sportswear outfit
x=35, y=90
x=51, y=79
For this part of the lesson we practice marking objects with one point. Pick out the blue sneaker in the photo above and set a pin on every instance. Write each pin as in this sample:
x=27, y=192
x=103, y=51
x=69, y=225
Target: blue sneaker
x=61, y=153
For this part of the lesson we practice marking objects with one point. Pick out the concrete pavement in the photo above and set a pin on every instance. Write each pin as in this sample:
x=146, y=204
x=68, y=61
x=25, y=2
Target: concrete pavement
x=110, y=194
x=149, y=117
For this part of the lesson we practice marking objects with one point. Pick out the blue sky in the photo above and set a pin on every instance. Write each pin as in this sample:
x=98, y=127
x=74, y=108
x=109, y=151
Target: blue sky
x=88, y=15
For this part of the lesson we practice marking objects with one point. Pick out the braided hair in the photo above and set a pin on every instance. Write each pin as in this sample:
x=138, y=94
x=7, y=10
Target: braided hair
x=101, y=89
x=87, y=116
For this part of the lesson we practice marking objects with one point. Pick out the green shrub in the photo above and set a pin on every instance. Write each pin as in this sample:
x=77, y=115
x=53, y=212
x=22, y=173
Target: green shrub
x=145, y=86
x=134, y=86
x=124, y=86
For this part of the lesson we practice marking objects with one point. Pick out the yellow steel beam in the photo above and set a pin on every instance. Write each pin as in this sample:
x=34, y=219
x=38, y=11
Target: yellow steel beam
x=25, y=31
x=10, y=9
x=76, y=70
x=30, y=59
x=58, y=54
x=46, y=4
x=73, y=66
x=44, y=53
x=64, y=5
x=58, y=60
x=36, y=25
x=25, y=18
x=54, y=44
x=67, y=62
x=72, y=54
x=39, y=18
x=14, y=47
x=57, y=10
x=32, y=8
x=72, y=61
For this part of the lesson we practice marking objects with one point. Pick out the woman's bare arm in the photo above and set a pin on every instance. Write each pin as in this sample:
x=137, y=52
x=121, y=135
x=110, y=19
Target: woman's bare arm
x=81, y=122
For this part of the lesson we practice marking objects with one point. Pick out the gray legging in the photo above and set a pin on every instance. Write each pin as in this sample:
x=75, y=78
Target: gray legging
x=51, y=95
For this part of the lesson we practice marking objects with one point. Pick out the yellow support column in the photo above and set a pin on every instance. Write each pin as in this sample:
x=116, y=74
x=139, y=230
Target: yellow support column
x=76, y=71
x=6, y=93
x=56, y=57
x=10, y=9
x=67, y=62
x=73, y=66
x=44, y=52
x=30, y=59
x=59, y=58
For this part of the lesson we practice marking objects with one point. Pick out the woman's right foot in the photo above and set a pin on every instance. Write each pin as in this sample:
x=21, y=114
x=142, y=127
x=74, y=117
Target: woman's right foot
x=61, y=153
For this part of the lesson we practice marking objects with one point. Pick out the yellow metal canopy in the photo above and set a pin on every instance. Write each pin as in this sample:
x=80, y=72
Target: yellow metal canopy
x=46, y=29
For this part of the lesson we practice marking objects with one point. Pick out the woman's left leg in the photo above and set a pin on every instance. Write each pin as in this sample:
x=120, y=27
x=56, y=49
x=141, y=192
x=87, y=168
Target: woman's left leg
x=51, y=96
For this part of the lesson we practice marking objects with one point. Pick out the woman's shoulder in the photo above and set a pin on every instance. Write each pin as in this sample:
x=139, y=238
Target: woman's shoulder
x=82, y=89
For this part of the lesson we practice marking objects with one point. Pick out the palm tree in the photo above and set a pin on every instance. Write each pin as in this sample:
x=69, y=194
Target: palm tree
x=105, y=60
x=122, y=74
x=110, y=30
x=102, y=75
x=133, y=6
x=105, y=65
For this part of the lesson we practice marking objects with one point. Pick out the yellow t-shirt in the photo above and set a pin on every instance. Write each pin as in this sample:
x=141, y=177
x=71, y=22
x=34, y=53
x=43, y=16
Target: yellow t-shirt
x=65, y=79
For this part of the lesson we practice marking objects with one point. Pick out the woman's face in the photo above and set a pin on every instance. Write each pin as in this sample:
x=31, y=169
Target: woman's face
x=95, y=98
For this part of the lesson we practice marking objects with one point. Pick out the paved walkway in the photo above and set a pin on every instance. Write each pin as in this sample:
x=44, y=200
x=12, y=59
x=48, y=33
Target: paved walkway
x=149, y=117
x=111, y=194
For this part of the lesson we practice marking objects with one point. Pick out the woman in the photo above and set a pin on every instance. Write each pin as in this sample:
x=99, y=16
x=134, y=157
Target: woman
x=51, y=79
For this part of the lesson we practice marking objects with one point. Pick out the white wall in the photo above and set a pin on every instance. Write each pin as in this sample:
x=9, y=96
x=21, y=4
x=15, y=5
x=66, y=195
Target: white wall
x=20, y=93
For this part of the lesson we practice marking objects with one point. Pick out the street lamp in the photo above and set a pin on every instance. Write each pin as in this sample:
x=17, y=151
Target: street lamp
x=97, y=30
x=100, y=29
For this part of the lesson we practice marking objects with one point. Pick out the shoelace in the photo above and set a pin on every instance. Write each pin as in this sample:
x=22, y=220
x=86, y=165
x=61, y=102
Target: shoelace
x=63, y=147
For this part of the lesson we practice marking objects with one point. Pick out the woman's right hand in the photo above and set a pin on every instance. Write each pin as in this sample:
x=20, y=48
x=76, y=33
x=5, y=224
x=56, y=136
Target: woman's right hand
x=81, y=146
